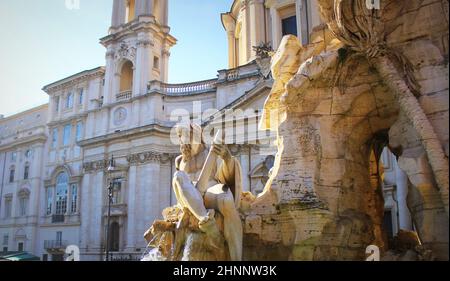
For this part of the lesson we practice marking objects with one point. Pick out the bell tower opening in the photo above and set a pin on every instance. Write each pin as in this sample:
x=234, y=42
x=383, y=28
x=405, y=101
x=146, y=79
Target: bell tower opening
x=126, y=77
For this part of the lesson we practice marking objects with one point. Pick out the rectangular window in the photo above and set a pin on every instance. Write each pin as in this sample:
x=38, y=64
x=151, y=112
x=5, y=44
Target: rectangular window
x=8, y=207
x=45, y=257
x=117, y=186
x=74, y=193
x=79, y=131
x=13, y=156
x=80, y=98
x=55, y=138
x=12, y=172
x=26, y=172
x=57, y=104
x=5, y=240
x=59, y=236
x=61, y=199
x=20, y=247
x=289, y=25
x=66, y=134
x=49, y=201
x=5, y=249
x=23, y=202
x=69, y=101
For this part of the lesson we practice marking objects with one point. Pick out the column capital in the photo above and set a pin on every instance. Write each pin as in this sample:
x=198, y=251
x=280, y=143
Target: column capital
x=255, y=2
x=244, y=4
x=110, y=53
x=145, y=43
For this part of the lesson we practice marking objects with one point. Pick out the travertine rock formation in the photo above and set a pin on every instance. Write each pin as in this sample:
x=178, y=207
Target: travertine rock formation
x=370, y=79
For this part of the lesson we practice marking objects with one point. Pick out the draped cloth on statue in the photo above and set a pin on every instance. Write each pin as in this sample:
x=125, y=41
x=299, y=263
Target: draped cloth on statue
x=231, y=176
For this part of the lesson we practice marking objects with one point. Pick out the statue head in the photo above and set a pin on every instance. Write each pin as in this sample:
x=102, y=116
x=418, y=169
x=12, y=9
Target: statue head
x=191, y=140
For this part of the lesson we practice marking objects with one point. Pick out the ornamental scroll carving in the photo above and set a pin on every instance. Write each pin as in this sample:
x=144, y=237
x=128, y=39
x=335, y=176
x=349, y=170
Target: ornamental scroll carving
x=126, y=52
x=149, y=157
x=93, y=166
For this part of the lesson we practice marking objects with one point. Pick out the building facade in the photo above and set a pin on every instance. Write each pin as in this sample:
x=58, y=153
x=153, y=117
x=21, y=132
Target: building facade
x=55, y=158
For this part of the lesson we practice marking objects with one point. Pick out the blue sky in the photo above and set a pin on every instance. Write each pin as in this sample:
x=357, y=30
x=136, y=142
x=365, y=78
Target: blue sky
x=43, y=41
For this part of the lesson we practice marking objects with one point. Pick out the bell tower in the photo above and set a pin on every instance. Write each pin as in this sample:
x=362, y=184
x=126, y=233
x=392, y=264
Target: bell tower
x=137, y=48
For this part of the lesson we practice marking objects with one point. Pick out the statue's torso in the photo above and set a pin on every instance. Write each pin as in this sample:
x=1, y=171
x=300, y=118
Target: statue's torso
x=194, y=166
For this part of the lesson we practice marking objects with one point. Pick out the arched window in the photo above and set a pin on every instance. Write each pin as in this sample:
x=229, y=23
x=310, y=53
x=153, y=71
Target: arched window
x=62, y=190
x=114, y=240
x=126, y=77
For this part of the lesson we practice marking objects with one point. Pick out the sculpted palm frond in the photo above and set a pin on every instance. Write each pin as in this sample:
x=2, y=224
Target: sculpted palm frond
x=364, y=31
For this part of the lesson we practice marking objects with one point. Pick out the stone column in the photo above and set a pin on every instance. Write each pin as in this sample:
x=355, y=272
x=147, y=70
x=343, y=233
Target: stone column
x=131, y=225
x=142, y=68
x=229, y=23
x=231, y=49
x=303, y=21
x=51, y=109
x=121, y=13
x=34, y=176
x=98, y=201
x=138, y=7
x=276, y=27
x=245, y=53
x=402, y=193
x=298, y=12
x=256, y=23
x=165, y=13
x=115, y=21
x=150, y=199
x=85, y=211
x=108, y=93
x=165, y=65
x=246, y=167
x=147, y=7
x=135, y=111
x=90, y=126
x=105, y=121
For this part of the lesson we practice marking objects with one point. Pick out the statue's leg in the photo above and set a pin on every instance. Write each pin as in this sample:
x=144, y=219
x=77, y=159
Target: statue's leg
x=223, y=201
x=188, y=196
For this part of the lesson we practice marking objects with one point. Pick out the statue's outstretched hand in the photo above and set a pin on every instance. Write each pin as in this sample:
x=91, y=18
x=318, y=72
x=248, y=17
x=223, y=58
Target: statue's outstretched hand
x=222, y=151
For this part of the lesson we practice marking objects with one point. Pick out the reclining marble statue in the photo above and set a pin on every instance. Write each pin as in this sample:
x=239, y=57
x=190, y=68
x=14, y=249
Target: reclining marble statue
x=209, y=180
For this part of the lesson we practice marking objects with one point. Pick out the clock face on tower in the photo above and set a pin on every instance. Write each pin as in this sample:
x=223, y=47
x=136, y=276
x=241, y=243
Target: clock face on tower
x=120, y=115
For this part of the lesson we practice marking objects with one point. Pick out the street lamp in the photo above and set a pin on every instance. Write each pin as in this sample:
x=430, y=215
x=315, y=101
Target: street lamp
x=111, y=168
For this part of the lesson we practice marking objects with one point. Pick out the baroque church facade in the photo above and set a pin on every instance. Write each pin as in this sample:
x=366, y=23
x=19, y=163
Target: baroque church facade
x=55, y=158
